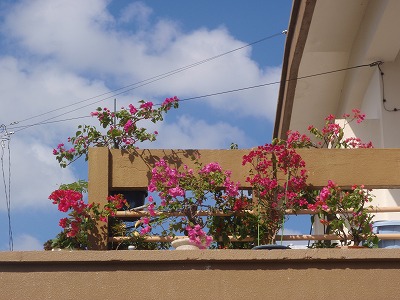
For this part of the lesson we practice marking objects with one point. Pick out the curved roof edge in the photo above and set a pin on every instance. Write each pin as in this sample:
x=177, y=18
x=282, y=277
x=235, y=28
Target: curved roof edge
x=300, y=20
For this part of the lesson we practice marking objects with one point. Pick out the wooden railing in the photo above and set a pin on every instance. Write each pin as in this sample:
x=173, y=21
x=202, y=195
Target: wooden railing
x=300, y=237
x=111, y=170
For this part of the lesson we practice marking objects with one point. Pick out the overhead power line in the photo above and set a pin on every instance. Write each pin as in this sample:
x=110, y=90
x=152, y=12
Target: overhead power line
x=5, y=142
x=278, y=82
x=147, y=81
x=20, y=128
x=376, y=63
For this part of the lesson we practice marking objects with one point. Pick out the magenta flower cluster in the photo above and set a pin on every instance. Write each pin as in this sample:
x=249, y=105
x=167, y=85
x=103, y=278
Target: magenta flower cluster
x=82, y=217
x=185, y=192
x=332, y=134
x=348, y=210
x=198, y=236
x=278, y=178
x=271, y=161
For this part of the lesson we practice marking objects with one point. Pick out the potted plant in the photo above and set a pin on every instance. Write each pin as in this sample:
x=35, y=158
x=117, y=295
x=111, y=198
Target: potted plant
x=81, y=217
x=351, y=220
x=331, y=135
x=63, y=242
x=186, y=196
x=239, y=229
x=278, y=179
x=278, y=175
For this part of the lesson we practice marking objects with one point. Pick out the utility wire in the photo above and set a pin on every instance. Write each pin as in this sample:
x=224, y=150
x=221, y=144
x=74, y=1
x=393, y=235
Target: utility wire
x=383, y=90
x=20, y=128
x=376, y=63
x=278, y=82
x=147, y=81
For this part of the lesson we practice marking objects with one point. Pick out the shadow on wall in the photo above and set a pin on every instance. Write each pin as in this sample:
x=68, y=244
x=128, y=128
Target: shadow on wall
x=172, y=157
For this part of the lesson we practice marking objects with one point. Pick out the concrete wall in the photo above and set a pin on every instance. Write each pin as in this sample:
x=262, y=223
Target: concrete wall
x=382, y=123
x=201, y=274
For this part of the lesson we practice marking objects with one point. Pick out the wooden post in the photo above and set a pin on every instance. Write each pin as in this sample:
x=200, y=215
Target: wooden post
x=98, y=190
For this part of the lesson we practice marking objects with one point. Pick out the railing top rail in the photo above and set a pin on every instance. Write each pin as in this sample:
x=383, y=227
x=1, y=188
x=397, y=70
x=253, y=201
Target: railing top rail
x=138, y=214
x=373, y=168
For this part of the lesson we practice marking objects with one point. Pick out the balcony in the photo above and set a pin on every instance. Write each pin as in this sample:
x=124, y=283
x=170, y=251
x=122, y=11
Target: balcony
x=115, y=170
x=226, y=274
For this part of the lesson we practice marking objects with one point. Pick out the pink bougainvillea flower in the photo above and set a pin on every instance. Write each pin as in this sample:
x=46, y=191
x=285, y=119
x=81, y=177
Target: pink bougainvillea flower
x=147, y=105
x=176, y=191
x=63, y=222
x=132, y=109
x=128, y=125
x=145, y=230
x=169, y=101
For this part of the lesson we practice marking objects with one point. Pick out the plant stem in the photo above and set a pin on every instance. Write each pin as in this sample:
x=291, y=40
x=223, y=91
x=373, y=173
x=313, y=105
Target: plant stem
x=258, y=226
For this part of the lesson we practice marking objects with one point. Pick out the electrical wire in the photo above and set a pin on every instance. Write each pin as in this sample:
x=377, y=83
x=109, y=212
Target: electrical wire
x=7, y=190
x=10, y=233
x=147, y=81
x=376, y=63
x=383, y=90
x=278, y=82
x=19, y=128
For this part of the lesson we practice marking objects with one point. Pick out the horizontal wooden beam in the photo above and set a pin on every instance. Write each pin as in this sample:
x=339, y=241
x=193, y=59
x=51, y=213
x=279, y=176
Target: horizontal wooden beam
x=133, y=169
x=289, y=237
x=373, y=168
x=138, y=214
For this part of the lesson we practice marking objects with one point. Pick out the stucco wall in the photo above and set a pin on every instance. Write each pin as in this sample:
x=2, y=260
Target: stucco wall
x=207, y=274
x=391, y=120
x=382, y=124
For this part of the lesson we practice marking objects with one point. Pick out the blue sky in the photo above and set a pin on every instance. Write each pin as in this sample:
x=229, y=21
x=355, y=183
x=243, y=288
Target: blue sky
x=57, y=53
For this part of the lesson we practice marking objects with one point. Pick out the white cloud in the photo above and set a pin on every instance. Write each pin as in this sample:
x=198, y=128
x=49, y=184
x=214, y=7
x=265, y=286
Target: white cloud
x=32, y=89
x=137, y=12
x=29, y=90
x=34, y=174
x=83, y=37
x=190, y=133
x=25, y=242
x=58, y=27
x=60, y=52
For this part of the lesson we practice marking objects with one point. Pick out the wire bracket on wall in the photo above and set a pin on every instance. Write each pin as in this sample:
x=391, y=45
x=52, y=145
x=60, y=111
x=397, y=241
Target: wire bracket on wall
x=384, y=100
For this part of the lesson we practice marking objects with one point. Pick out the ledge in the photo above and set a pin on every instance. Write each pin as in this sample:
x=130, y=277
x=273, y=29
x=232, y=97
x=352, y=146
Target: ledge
x=207, y=274
x=165, y=256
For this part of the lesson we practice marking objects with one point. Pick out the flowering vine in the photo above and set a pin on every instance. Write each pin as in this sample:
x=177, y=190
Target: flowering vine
x=184, y=193
x=82, y=217
x=278, y=179
x=332, y=134
x=351, y=220
x=123, y=130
